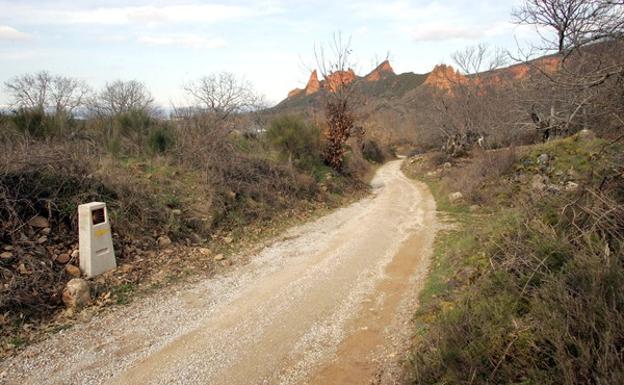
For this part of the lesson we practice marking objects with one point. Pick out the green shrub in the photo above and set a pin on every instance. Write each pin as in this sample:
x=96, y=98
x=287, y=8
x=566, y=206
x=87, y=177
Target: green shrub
x=296, y=140
x=160, y=139
x=372, y=152
x=37, y=124
x=136, y=122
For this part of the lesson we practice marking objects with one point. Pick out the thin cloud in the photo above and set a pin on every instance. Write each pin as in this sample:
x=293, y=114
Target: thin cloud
x=186, y=40
x=11, y=34
x=191, y=13
x=399, y=10
x=448, y=31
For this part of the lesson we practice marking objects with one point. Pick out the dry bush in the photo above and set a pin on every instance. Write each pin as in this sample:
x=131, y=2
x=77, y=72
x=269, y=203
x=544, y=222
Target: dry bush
x=355, y=166
x=547, y=303
x=469, y=177
x=51, y=180
x=247, y=186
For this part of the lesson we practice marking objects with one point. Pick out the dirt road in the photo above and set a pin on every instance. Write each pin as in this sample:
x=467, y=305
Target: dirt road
x=326, y=304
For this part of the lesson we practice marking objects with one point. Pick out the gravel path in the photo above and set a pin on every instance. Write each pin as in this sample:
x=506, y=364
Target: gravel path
x=328, y=303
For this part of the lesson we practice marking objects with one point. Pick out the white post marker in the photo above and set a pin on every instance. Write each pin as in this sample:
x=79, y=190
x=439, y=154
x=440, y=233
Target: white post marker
x=96, y=243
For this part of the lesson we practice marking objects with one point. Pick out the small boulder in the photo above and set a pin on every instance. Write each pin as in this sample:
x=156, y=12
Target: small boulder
x=39, y=222
x=553, y=189
x=219, y=257
x=571, y=186
x=6, y=255
x=126, y=268
x=176, y=212
x=204, y=251
x=164, y=242
x=543, y=159
x=22, y=269
x=455, y=197
x=586, y=134
x=62, y=258
x=447, y=166
x=73, y=271
x=76, y=293
x=227, y=240
x=538, y=182
x=41, y=240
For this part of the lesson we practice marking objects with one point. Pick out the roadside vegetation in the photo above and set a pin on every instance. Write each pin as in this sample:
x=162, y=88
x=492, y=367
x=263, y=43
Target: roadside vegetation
x=527, y=286
x=183, y=191
x=526, y=282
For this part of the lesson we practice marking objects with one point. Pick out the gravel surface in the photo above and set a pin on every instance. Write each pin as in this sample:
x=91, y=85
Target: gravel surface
x=281, y=319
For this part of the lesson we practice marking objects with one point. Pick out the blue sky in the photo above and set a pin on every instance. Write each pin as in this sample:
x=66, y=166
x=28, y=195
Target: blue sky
x=268, y=42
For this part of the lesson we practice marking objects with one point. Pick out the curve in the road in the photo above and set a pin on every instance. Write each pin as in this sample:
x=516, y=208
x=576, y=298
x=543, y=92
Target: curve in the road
x=326, y=305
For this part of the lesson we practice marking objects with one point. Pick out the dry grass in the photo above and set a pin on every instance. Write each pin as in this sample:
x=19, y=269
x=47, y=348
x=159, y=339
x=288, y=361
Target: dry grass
x=482, y=166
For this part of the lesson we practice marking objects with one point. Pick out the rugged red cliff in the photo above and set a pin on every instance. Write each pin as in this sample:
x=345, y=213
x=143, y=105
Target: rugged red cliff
x=337, y=79
x=313, y=84
x=382, y=70
x=444, y=77
x=333, y=81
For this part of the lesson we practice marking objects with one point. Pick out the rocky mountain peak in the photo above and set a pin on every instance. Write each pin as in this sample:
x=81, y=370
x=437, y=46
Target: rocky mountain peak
x=444, y=77
x=313, y=84
x=382, y=70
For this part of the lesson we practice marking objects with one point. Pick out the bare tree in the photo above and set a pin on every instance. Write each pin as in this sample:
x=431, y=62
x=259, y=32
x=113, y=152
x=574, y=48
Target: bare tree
x=480, y=58
x=575, y=22
x=44, y=91
x=224, y=94
x=121, y=97
x=335, y=67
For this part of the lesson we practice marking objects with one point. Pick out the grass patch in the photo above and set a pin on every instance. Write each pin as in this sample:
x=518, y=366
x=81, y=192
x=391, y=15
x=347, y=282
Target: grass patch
x=123, y=293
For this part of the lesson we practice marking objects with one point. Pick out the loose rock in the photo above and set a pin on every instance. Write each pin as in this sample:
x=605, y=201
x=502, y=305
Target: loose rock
x=455, y=197
x=586, y=134
x=41, y=240
x=73, y=271
x=538, y=182
x=219, y=257
x=39, y=222
x=164, y=241
x=571, y=186
x=543, y=159
x=76, y=293
x=63, y=258
x=6, y=255
x=22, y=269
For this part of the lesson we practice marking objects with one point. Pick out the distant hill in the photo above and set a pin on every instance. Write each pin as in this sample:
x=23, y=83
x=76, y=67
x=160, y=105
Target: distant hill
x=380, y=83
x=397, y=107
